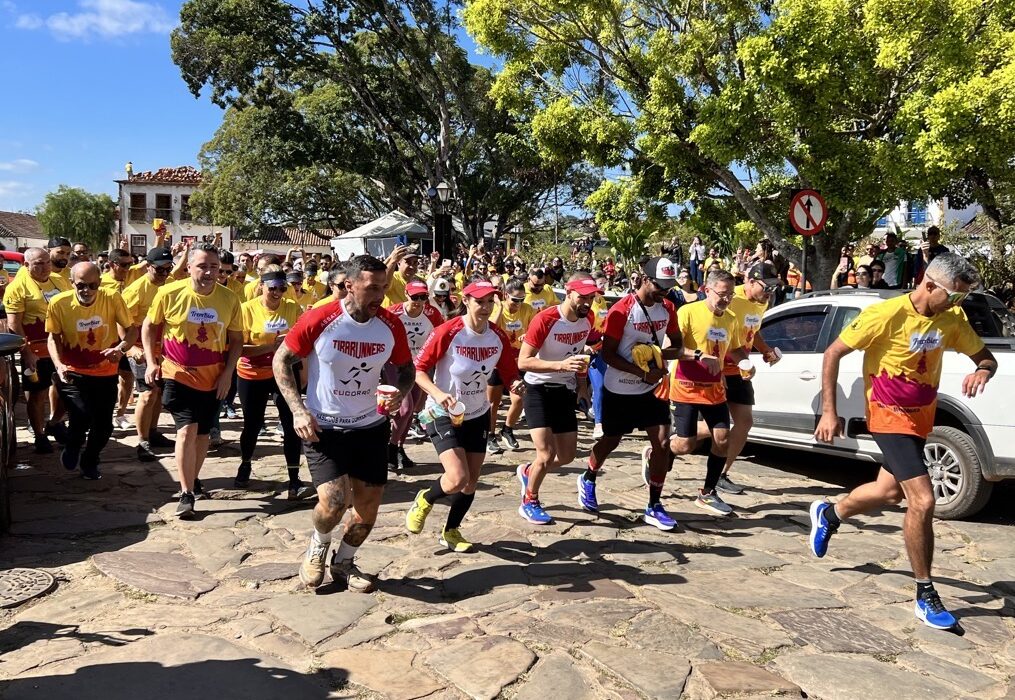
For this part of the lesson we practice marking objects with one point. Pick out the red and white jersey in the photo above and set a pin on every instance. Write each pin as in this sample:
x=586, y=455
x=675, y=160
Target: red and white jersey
x=418, y=329
x=555, y=338
x=344, y=360
x=627, y=324
x=464, y=361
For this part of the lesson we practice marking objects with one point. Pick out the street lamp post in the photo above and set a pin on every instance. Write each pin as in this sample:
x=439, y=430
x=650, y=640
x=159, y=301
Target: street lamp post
x=443, y=238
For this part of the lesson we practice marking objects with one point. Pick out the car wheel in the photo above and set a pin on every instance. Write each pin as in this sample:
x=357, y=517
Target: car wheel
x=955, y=473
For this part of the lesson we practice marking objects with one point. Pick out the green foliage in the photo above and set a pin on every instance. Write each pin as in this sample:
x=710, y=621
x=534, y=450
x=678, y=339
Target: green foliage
x=78, y=216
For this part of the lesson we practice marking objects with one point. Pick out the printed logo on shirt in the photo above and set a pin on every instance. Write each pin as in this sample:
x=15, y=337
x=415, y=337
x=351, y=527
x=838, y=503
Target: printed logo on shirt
x=276, y=325
x=646, y=327
x=203, y=316
x=718, y=335
x=570, y=338
x=513, y=326
x=358, y=349
x=89, y=324
x=752, y=320
x=925, y=342
x=538, y=304
x=477, y=354
x=49, y=295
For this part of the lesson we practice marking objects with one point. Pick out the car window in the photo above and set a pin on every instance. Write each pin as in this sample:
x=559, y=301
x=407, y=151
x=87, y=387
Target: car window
x=988, y=317
x=795, y=332
x=843, y=317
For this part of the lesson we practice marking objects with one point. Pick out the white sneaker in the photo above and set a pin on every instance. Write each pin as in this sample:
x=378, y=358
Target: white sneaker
x=122, y=423
x=597, y=432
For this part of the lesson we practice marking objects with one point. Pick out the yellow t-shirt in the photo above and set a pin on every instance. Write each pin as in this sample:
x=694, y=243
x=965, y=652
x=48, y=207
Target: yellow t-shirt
x=714, y=335
x=138, y=298
x=600, y=307
x=902, y=361
x=322, y=302
x=749, y=315
x=396, y=290
x=88, y=330
x=261, y=325
x=316, y=288
x=546, y=298
x=250, y=291
x=236, y=287
x=514, y=324
x=134, y=273
x=31, y=299
x=194, y=334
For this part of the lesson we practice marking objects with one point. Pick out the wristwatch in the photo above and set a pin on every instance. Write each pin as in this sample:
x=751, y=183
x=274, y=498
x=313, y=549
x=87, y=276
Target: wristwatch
x=697, y=354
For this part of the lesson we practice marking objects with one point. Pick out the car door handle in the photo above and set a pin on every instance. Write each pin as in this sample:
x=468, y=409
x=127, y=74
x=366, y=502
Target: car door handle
x=807, y=375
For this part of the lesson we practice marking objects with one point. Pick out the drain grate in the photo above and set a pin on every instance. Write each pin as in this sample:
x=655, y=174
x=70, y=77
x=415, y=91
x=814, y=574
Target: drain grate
x=20, y=585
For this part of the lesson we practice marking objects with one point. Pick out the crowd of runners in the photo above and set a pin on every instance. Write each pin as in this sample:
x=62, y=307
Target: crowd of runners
x=358, y=356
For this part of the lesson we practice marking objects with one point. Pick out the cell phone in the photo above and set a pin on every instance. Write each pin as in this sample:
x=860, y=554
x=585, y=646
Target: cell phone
x=402, y=239
x=923, y=235
x=446, y=262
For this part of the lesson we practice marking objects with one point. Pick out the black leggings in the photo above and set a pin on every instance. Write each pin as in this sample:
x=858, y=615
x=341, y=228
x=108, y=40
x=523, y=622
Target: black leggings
x=254, y=395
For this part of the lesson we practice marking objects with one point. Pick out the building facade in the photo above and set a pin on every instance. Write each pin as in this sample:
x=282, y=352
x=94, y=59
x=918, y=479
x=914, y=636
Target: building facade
x=912, y=218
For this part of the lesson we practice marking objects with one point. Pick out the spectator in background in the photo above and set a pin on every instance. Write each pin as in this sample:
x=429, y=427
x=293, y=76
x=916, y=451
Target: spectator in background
x=878, y=275
x=556, y=271
x=872, y=253
x=929, y=249
x=894, y=258
x=696, y=257
x=686, y=291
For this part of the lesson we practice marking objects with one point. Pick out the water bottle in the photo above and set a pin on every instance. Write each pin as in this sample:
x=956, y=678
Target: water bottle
x=430, y=414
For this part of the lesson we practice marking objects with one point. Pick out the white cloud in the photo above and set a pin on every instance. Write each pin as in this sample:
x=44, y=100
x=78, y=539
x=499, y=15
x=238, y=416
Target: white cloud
x=19, y=165
x=13, y=188
x=102, y=18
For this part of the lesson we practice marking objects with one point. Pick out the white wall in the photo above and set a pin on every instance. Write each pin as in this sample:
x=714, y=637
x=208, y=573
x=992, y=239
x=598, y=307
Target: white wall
x=177, y=229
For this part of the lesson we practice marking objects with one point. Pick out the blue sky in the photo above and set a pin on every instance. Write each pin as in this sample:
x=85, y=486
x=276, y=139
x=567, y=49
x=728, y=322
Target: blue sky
x=88, y=86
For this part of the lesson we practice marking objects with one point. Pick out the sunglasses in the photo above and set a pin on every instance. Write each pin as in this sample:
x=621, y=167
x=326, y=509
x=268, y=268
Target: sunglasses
x=517, y=300
x=123, y=264
x=418, y=297
x=82, y=286
x=164, y=270
x=953, y=297
x=277, y=287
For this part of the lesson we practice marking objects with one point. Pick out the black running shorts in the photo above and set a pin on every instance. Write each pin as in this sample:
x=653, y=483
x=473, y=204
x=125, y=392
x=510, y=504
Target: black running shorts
x=684, y=417
x=551, y=406
x=902, y=455
x=739, y=390
x=470, y=436
x=359, y=453
x=188, y=406
x=625, y=413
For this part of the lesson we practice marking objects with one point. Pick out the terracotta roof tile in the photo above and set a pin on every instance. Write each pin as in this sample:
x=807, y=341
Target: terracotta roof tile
x=17, y=224
x=979, y=226
x=293, y=236
x=184, y=175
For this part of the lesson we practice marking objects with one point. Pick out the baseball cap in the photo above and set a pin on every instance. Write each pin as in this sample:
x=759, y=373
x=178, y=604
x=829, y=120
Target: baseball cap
x=662, y=271
x=159, y=256
x=414, y=287
x=763, y=272
x=583, y=287
x=479, y=290
x=439, y=285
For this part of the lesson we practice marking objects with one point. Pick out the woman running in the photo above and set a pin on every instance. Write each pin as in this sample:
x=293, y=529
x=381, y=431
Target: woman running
x=463, y=353
x=266, y=320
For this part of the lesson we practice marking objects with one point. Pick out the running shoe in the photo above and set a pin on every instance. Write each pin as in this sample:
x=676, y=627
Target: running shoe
x=348, y=573
x=122, y=423
x=312, y=568
x=821, y=531
x=185, y=509
x=299, y=491
x=157, y=439
x=415, y=431
x=657, y=516
x=392, y=456
x=231, y=413
x=43, y=446
x=932, y=613
x=727, y=486
x=242, y=478
x=712, y=503
x=69, y=459
x=493, y=446
x=90, y=473
x=215, y=437
x=534, y=513
x=453, y=540
x=597, y=431
x=144, y=453
x=403, y=459
x=415, y=519
x=585, y=408
x=587, y=495
x=508, y=435
x=199, y=491
x=646, y=459
x=522, y=472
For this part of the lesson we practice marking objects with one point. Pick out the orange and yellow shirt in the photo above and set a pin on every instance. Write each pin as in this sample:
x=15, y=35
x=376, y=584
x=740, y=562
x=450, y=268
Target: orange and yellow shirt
x=195, y=331
x=261, y=326
x=714, y=335
x=749, y=316
x=88, y=330
x=902, y=361
x=138, y=297
x=25, y=296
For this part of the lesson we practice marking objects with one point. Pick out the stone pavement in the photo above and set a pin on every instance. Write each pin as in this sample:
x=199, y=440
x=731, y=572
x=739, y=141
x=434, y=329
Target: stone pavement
x=590, y=607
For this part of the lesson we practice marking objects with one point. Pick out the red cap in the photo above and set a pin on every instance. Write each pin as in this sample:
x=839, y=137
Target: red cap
x=414, y=287
x=584, y=287
x=478, y=290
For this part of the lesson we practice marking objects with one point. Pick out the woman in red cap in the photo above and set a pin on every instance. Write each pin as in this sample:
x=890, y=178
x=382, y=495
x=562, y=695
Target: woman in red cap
x=462, y=354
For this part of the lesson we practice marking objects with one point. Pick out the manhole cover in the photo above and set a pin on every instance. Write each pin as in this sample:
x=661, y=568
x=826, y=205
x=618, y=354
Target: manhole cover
x=19, y=585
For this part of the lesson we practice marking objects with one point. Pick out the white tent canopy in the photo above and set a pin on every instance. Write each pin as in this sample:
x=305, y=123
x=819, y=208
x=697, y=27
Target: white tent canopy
x=378, y=237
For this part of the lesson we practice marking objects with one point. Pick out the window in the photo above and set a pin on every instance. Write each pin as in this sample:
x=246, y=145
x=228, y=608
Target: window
x=164, y=207
x=138, y=212
x=185, y=207
x=917, y=214
x=796, y=332
x=138, y=244
x=843, y=317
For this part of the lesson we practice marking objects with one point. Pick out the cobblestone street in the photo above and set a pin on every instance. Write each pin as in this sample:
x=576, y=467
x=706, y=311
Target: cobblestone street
x=147, y=606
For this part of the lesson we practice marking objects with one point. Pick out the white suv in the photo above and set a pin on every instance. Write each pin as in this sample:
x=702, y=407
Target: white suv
x=973, y=442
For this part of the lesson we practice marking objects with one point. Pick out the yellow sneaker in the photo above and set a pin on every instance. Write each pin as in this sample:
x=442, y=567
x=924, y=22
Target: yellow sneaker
x=453, y=540
x=415, y=519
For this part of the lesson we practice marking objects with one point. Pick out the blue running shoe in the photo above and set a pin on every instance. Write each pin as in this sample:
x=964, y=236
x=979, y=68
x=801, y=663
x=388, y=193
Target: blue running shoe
x=821, y=531
x=587, y=494
x=523, y=477
x=69, y=459
x=932, y=613
x=656, y=515
x=534, y=513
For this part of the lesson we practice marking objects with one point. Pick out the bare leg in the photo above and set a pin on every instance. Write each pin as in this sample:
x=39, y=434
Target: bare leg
x=743, y=420
x=333, y=499
x=456, y=470
x=494, y=394
x=37, y=412
x=126, y=387
x=514, y=411
x=186, y=455
x=366, y=499
x=918, y=526
x=883, y=491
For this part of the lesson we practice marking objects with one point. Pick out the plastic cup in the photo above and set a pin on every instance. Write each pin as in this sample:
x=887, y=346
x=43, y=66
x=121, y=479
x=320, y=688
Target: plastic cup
x=586, y=359
x=31, y=375
x=385, y=392
x=777, y=353
x=745, y=367
x=457, y=413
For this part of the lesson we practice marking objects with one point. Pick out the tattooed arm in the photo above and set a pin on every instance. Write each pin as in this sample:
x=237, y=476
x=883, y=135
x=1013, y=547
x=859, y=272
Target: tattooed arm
x=282, y=366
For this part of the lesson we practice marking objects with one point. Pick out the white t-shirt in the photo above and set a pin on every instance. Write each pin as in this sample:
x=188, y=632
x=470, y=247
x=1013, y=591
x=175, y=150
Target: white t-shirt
x=555, y=338
x=344, y=361
x=463, y=361
x=418, y=329
x=627, y=324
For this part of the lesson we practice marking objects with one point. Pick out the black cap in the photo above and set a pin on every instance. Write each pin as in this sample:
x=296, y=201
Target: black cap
x=763, y=272
x=57, y=241
x=159, y=256
x=662, y=271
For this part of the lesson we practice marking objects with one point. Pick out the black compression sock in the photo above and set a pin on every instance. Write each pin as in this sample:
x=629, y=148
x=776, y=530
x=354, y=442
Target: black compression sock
x=435, y=493
x=590, y=475
x=460, y=504
x=294, y=475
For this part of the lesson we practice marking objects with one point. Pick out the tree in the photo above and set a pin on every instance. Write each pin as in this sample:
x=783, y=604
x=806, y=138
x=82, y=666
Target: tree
x=78, y=216
x=695, y=98
x=361, y=105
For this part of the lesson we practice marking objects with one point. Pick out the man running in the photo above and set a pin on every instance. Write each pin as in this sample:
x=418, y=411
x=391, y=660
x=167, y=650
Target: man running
x=710, y=335
x=903, y=340
x=201, y=341
x=549, y=359
x=629, y=402
x=345, y=344
x=122, y=273
x=90, y=330
x=750, y=300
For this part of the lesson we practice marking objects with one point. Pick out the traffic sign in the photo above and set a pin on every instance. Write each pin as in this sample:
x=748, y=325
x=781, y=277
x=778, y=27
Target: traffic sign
x=807, y=212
